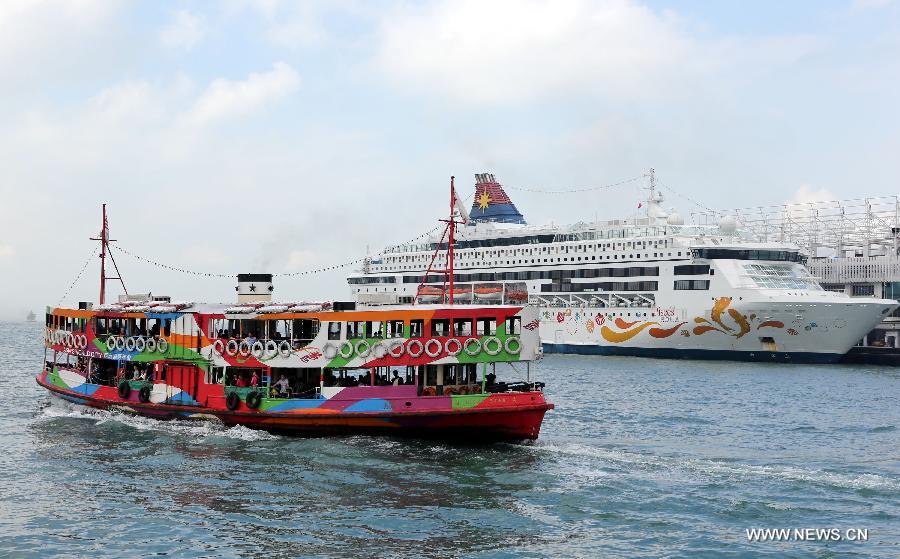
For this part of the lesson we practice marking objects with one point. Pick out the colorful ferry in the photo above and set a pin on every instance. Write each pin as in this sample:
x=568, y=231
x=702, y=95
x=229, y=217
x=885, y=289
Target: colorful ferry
x=306, y=368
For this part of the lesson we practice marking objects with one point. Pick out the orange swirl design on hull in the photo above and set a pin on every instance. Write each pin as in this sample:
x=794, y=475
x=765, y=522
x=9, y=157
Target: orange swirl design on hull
x=771, y=324
x=665, y=332
x=617, y=337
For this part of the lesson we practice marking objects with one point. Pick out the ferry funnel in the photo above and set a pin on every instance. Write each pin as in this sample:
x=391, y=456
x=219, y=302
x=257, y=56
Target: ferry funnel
x=254, y=288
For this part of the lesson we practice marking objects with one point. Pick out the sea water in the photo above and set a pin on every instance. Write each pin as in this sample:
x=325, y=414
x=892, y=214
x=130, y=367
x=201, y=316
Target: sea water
x=641, y=457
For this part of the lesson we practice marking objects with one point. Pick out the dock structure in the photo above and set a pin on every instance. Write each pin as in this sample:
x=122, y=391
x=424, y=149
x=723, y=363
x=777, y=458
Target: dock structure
x=853, y=246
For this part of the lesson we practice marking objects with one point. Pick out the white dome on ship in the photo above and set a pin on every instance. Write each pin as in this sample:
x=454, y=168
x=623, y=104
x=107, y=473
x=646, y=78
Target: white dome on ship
x=728, y=224
x=675, y=219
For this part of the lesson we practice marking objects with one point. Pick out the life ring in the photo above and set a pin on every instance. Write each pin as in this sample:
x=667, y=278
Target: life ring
x=219, y=346
x=151, y=345
x=379, y=351
x=140, y=345
x=496, y=340
x=233, y=401
x=124, y=390
x=395, y=345
x=433, y=352
x=129, y=343
x=254, y=399
x=346, y=350
x=70, y=339
x=272, y=348
x=449, y=391
x=258, y=350
x=244, y=348
x=162, y=345
x=417, y=352
x=457, y=347
x=464, y=389
x=363, y=349
x=120, y=343
x=429, y=391
x=472, y=347
x=144, y=394
x=508, y=346
x=285, y=348
x=231, y=348
x=111, y=343
x=330, y=350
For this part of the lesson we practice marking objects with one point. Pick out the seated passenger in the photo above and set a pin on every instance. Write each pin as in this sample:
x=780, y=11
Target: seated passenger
x=491, y=378
x=254, y=379
x=240, y=382
x=396, y=381
x=283, y=387
x=251, y=338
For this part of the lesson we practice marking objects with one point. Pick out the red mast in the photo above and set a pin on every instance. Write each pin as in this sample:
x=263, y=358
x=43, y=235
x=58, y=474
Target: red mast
x=104, y=250
x=450, y=234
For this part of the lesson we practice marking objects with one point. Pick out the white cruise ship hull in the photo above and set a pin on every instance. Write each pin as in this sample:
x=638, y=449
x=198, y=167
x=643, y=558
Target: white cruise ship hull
x=770, y=331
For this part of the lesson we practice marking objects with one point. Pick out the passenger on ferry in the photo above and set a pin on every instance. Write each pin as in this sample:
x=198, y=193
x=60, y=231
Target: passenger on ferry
x=254, y=379
x=396, y=381
x=239, y=381
x=251, y=338
x=283, y=387
x=491, y=378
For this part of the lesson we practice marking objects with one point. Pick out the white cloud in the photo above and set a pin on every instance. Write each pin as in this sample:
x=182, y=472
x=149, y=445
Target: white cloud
x=6, y=251
x=807, y=195
x=183, y=32
x=225, y=98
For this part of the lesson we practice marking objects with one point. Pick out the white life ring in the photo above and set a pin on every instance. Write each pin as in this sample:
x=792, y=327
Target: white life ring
x=219, y=346
x=432, y=343
x=120, y=343
x=457, y=347
x=110, y=343
x=285, y=348
x=508, y=345
x=162, y=345
x=151, y=345
x=231, y=348
x=330, y=350
x=395, y=345
x=140, y=345
x=417, y=352
x=129, y=343
x=379, y=351
x=244, y=348
x=493, y=339
x=258, y=349
x=472, y=349
x=83, y=341
x=346, y=350
x=363, y=349
x=272, y=348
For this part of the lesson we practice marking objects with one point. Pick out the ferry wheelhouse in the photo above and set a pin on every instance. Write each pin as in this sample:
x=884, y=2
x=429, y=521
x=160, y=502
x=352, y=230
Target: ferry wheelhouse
x=307, y=368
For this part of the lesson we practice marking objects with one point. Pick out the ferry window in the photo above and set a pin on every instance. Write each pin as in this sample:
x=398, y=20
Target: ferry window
x=440, y=327
x=334, y=330
x=153, y=326
x=416, y=328
x=395, y=328
x=100, y=326
x=450, y=375
x=374, y=329
x=279, y=329
x=356, y=329
x=462, y=327
x=431, y=375
x=216, y=327
x=308, y=328
x=514, y=325
x=486, y=326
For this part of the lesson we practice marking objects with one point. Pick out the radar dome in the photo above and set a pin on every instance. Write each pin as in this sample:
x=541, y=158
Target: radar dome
x=728, y=224
x=675, y=219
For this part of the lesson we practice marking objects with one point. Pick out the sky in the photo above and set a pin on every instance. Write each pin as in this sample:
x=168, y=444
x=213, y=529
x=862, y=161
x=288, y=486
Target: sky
x=274, y=136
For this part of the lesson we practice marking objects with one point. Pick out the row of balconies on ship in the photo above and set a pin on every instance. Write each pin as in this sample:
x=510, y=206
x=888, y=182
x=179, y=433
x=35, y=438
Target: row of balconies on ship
x=855, y=269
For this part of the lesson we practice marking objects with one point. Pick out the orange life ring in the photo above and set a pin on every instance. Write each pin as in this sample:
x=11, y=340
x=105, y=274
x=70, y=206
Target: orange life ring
x=429, y=391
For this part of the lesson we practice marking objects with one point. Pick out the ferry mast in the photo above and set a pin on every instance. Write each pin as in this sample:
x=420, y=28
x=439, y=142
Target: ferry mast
x=104, y=251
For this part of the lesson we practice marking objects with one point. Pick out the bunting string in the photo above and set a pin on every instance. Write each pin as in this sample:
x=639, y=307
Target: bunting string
x=165, y=266
x=78, y=277
x=574, y=190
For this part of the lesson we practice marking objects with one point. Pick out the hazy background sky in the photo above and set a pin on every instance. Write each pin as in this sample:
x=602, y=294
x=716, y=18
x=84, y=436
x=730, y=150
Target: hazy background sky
x=245, y=136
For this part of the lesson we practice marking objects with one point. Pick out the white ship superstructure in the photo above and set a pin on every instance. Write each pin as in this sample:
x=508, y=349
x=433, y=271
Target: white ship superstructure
x=646, y=286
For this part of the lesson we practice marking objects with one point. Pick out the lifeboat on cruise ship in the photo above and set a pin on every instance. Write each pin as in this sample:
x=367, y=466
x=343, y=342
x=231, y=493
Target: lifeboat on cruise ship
x=429, y=294
x=489, y=292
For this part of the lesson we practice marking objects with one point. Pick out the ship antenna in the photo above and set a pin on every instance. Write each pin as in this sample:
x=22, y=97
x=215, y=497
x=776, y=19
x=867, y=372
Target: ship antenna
x=104, y=252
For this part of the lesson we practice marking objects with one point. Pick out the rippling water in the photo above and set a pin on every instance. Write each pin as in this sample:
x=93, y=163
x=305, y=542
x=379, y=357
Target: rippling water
x=640, y=458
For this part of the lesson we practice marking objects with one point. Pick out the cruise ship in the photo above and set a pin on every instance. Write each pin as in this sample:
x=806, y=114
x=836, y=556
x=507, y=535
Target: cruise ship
x=643, y=286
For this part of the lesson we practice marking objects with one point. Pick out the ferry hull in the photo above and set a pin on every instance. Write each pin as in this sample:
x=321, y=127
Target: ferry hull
x=501, y=417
